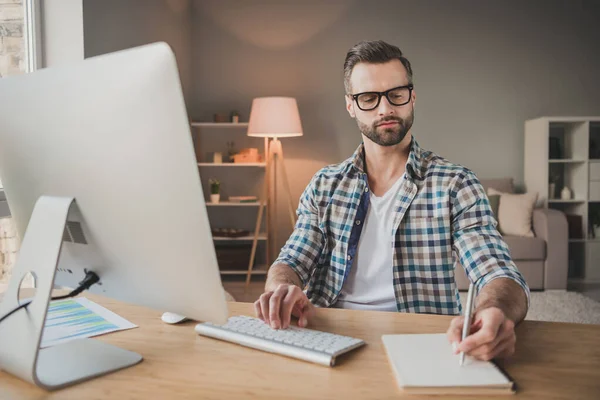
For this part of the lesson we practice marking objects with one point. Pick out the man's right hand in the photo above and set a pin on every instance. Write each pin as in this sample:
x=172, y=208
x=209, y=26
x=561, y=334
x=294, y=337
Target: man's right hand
x=277, y=307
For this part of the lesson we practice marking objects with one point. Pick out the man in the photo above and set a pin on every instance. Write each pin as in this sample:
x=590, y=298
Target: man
x=383, y=229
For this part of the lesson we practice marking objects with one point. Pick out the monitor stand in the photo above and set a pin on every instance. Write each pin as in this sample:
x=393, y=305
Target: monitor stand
x=21, y=333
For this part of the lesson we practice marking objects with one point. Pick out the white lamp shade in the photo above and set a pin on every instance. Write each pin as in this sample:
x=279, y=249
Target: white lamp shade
x=274, y=117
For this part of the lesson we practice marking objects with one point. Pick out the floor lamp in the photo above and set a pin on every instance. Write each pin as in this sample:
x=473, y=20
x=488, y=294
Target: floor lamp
x=274, y=118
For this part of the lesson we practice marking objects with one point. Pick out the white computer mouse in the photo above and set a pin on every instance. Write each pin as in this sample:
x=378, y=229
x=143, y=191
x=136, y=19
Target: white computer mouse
x=172, y=318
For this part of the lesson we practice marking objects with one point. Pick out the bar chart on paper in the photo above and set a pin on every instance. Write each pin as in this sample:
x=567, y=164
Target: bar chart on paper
x=79, y=318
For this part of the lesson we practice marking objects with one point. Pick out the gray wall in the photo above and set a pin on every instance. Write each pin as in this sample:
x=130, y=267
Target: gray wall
x=112, y=25
x=481, y=69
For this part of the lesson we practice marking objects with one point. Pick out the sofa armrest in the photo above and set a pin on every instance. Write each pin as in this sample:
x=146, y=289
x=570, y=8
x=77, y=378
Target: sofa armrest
x=551, y=226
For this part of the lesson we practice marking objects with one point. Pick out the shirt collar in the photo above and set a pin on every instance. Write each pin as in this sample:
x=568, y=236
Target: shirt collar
x=414, y=165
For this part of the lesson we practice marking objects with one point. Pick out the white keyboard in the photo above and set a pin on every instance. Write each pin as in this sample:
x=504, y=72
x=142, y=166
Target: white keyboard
x=305, y=344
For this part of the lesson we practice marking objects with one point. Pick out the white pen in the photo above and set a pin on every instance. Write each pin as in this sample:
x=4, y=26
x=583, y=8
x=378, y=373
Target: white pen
x=467, y=322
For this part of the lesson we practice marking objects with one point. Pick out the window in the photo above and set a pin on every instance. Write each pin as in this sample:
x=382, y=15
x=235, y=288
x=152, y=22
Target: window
x=19, y=53
x=12, y=42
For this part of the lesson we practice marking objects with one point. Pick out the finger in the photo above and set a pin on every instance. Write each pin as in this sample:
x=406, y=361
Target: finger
x=505, y=332
x=274, y=306
x=487, y=333
x=506, y=338
x=501, y=348
x=307, y=313
x=289, y=301
x=264, y=305
x=482, y=351
x=454, y=332
x=257, y=310
x=506, y=350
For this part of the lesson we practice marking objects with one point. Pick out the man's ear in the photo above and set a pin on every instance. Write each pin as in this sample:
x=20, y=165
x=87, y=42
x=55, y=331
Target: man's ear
x=414, y=98
x=350, y=106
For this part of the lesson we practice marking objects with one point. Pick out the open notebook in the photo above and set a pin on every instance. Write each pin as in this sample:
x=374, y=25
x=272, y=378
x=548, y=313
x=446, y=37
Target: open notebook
x=425, y=364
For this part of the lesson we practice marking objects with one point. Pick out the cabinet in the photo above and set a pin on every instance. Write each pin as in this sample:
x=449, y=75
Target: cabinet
x=242, y=255
x=565, y=151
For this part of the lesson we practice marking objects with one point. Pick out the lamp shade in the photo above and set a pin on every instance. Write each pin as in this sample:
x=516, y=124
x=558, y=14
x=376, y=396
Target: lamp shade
x=274, y=117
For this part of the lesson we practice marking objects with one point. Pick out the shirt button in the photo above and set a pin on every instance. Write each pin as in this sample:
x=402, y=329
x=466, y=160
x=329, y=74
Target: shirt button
x=366, y=189
x=358, y=222
x=349, y=258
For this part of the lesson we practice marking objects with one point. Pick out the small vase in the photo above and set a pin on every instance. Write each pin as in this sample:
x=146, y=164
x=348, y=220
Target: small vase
x=565, y=193
x=214, y=198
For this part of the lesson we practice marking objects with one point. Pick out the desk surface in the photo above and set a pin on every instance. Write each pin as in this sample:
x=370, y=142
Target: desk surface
x=553, y=361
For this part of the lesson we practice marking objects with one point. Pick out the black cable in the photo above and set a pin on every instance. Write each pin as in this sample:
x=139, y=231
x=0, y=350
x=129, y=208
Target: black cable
x=90, y=278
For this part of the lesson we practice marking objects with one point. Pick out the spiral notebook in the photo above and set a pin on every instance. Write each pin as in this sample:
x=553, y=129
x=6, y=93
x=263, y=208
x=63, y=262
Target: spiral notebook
x=426, y=364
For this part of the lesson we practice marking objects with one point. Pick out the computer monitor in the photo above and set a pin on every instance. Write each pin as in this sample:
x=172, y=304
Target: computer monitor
x=111, y=132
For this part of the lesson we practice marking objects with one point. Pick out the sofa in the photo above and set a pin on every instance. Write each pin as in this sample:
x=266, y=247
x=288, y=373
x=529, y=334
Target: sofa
x=543, y=260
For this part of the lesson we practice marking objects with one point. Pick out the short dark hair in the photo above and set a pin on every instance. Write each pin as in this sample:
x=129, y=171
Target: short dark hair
x=375, y=52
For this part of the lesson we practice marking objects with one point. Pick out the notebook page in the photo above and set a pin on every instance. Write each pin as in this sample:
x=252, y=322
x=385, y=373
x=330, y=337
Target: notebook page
x=427, y=360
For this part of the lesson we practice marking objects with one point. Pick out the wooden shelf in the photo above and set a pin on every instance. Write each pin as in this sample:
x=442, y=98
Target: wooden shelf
x=261, y=271
x=204, y=164
x=570, y=201
x=566, y=161
x=219, y=124
x=233, y=204
x=261, y=236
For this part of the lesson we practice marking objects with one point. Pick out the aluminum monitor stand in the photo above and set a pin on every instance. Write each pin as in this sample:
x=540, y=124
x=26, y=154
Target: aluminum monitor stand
x=21, y=333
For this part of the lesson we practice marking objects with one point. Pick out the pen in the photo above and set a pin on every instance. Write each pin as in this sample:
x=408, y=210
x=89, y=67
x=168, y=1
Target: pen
x=467, y=322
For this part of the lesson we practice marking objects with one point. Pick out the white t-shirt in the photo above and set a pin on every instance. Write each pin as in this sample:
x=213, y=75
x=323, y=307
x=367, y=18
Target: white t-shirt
x=370, y=284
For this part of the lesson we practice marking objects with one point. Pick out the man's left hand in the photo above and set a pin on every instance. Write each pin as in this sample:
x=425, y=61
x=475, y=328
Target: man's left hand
x=492, y=335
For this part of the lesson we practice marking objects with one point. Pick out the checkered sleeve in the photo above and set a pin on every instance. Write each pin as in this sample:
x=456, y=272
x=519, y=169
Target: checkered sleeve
x=303, y=249
x=478, y=244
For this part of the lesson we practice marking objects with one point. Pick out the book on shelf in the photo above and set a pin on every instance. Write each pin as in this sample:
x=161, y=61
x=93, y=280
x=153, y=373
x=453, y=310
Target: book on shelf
x=243, y=199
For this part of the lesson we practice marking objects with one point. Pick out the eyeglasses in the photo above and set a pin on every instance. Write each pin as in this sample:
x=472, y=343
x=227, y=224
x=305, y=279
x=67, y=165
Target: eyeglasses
x=397, y=96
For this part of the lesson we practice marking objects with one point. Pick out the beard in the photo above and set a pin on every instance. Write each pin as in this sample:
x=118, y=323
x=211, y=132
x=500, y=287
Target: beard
x=387, y=136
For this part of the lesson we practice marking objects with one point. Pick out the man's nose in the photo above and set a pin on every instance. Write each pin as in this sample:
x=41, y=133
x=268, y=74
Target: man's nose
x=385, y=108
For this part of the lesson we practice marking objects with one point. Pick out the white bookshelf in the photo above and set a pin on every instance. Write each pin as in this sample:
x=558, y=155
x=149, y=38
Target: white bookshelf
x=210, y=135
x=226, y=125
x=227, y=165
x=234, y=204
x=259, y=270
x=577, y=166
x=261, y=237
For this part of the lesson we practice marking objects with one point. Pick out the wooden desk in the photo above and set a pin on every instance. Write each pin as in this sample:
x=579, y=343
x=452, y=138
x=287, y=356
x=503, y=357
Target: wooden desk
x=553, y=361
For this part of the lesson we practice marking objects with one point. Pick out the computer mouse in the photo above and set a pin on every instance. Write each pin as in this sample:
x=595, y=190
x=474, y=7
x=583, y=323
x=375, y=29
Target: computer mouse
x=172, y=318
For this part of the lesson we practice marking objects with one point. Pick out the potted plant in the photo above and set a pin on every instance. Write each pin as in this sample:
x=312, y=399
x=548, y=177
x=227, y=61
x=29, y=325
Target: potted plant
x=215, y=187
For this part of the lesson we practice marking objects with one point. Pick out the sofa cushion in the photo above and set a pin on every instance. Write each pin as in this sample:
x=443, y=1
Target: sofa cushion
x=515, y=213
x=504, y=185
x=526, y=248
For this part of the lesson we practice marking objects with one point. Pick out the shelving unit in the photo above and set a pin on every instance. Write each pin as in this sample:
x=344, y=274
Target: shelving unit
x=234, y=204
x=261, y=236
x=226, y=125
x=210, y=137
x=566, y=150
x=212, y=164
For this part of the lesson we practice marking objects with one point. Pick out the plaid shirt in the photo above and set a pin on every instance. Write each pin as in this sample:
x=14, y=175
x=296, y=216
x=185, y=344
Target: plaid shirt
x=443, y=218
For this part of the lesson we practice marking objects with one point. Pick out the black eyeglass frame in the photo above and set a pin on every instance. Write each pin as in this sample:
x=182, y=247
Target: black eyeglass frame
x=387, y=96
